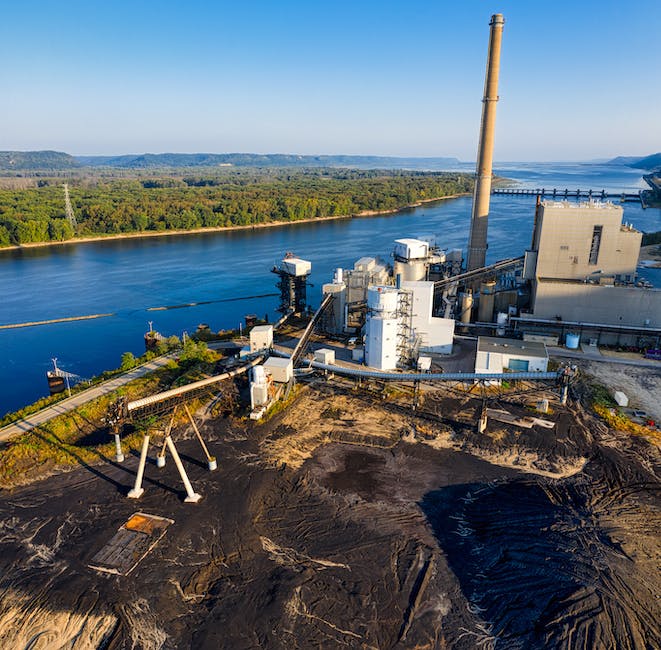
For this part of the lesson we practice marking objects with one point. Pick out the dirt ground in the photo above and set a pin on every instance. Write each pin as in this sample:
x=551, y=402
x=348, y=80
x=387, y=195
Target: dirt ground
x=347, y=520
x=641, y=385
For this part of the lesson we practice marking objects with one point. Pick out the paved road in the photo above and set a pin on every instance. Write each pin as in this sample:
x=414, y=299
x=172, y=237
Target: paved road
x=73, y=402
x=600, y=358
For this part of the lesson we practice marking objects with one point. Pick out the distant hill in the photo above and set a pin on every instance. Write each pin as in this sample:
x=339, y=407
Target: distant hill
x=56, y=160
x=647, y=162
x=34, y=160
x=149, y=160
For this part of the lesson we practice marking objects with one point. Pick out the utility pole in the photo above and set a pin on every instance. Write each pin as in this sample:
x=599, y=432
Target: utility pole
x=68, y=209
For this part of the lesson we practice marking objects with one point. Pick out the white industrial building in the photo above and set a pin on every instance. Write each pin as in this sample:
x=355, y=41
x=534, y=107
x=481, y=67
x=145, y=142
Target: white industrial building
x=336, y=316
x=261, y=338
x=429, y=334
x=382, y=328
x=496, y=355
x=280, y=369
x=400, y=323
x=398, y=319
x=411, y=259
x=296, y=266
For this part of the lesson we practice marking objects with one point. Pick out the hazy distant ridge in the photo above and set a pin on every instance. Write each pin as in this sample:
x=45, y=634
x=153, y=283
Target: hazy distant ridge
x=23, y=160
x=652, y=161
x=149, y=160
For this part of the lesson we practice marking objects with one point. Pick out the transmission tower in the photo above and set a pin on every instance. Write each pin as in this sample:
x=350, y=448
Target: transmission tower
x=67, y=207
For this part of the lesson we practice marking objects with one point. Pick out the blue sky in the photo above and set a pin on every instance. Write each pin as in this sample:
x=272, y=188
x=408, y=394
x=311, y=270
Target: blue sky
x=579, y=80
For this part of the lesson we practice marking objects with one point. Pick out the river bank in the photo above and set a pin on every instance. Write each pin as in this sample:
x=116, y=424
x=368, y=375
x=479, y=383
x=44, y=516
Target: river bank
x=196, y=231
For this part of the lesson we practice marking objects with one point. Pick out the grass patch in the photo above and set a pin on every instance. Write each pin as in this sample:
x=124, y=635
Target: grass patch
x=602, y=403
x=82, y=438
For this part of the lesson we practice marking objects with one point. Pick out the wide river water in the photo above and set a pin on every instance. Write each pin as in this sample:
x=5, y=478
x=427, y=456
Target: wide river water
x=126, y=277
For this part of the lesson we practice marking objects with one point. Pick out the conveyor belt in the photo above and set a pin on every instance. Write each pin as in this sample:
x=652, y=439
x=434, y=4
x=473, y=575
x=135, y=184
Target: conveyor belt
x=467, y=377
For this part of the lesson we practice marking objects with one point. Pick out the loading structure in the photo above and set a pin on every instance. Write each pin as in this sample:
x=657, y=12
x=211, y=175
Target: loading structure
x=293, y=273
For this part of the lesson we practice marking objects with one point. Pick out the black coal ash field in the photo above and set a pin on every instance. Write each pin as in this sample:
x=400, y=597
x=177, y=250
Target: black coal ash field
x=347, y=521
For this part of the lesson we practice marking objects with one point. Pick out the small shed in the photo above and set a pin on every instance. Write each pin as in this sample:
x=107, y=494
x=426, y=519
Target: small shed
x=495, y=355
x=424, y=364
x=280, y=369
x=261, y=337
x=620, y=398
x=324, y=355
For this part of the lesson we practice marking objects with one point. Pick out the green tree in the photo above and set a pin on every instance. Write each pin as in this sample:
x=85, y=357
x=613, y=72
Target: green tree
x=59, y=230
x=128, y=361
x=5, y=238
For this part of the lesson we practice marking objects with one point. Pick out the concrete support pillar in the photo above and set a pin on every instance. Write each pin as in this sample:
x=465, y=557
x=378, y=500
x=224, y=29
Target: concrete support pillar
x=191, y=495
x=119, y=455
x=138, y=490
x=482, y=422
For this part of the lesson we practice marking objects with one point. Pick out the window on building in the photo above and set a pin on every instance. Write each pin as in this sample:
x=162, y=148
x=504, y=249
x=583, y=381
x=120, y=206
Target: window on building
x=596, y=243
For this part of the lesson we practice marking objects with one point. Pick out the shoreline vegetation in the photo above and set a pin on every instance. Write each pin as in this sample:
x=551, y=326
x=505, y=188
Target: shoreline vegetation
x=144, y=234
x=186, y=203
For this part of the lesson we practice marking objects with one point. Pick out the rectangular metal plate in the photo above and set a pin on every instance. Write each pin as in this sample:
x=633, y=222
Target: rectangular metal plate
x=130, y=544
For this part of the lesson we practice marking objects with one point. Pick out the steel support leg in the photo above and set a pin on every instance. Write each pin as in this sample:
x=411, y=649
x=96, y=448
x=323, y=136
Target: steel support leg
x=138, y=490
x=191, y=496
x=211, y=460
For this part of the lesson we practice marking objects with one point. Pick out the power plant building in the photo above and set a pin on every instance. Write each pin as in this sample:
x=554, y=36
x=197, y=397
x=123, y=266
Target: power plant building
x=382, y=328
x=429, y=334
x=582, y=267
x=495, y=355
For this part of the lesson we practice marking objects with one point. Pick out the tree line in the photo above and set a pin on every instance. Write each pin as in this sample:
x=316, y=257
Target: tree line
x=107, y=206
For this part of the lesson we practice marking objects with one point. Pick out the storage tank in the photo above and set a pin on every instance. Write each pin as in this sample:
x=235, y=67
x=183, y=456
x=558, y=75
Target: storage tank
x=411, y=270
x=572, y=340
x=55, y=383
x=501, y=320
x=382, y=299
x=259, y=375
x=466, y=308
x=486, y=304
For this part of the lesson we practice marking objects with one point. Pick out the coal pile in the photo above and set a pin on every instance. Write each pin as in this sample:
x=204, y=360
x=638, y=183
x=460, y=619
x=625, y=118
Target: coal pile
x=348, y=530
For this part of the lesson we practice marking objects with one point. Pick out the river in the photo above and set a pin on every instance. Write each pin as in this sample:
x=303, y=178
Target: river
x=127, y=277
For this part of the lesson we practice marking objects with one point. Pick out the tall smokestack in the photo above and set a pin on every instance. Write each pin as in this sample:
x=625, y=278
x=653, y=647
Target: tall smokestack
x=477, y=244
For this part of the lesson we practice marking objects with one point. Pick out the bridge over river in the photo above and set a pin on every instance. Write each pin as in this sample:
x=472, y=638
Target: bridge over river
x=561, y=194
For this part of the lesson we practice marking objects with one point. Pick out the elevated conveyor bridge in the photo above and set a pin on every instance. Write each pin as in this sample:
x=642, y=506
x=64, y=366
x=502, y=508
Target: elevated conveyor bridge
x=305, y=338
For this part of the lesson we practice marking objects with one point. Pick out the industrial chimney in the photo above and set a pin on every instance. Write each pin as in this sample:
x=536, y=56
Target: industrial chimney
x=477, y=244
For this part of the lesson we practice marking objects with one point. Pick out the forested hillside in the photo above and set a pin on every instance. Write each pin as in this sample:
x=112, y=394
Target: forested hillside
x=36, y=160
x=229, y=198
x=163, y=160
